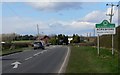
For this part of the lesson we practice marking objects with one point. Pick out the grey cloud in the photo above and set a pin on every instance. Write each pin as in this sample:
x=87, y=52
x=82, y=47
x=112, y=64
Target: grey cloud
x=56, y=6
x=55, y=25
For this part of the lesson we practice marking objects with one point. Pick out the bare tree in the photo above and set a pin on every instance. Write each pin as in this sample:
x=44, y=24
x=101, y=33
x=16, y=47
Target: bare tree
x=9, y=37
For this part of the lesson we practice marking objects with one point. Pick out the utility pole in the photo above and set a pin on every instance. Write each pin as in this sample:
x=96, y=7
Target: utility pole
x=38, y=31
x=111, y=15
x=90, y=34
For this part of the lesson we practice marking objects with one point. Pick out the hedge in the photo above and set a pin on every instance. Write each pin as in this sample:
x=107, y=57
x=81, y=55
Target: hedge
x=15, y=45
x=106, y=40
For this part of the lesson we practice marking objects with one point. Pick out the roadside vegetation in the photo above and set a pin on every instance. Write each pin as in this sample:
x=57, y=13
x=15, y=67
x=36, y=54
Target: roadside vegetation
x=84, y=59
x=59, y=39
x=8, y=48
x=23, y=41
x=12, y=43
x=106, y=40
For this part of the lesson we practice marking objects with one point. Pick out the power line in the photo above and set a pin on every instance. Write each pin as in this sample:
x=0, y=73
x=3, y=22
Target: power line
x=15, y=13
x=111, y=12
x=12, y=10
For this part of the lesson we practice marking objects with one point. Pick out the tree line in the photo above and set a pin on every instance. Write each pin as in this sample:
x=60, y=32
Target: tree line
x=59, y=39
x=62, y=39
x=16, y=37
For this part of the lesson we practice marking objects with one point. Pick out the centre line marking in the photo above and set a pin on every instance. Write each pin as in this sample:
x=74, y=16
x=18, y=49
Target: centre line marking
x=28, y=58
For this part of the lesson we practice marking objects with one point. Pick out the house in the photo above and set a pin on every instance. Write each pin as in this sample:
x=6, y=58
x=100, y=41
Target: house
x=43, y=39
x=70, y=39
x=89, y=39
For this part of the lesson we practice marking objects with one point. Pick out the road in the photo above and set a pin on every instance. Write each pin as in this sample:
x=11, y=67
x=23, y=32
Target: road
x=50, y=60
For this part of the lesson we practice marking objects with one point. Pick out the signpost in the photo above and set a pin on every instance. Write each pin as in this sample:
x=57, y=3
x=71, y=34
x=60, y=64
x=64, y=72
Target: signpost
x=104, y=28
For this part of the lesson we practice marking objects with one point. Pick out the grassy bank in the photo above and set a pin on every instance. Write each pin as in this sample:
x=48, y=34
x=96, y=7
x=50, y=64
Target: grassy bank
x=86, y=60
x=23, y=41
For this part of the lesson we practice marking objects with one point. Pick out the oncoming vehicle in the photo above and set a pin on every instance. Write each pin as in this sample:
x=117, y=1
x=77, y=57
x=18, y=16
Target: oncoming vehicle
x=38, y=45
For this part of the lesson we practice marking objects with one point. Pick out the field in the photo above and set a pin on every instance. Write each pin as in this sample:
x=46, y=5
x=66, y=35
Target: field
x=23, y=41
x=85, y=60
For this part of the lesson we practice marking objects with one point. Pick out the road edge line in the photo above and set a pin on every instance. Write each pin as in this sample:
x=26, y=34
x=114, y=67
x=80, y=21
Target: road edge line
x=65, y=61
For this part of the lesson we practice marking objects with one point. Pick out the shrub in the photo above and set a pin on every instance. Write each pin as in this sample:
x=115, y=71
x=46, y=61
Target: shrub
x=20, y=45
x=6, y=46
x=15, y=45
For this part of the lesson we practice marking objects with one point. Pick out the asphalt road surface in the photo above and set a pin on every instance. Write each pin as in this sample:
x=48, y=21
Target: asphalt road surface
x=50, y=60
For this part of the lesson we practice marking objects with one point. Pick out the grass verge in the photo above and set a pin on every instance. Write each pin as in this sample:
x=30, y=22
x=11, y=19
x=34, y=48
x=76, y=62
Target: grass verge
x=23, y=41
x=86, y=60
x=7, y=52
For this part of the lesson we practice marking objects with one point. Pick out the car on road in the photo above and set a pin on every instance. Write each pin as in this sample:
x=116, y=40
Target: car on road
x=38, y=45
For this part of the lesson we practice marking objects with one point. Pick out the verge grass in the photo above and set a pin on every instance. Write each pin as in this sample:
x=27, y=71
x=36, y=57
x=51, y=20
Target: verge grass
x=85, y=60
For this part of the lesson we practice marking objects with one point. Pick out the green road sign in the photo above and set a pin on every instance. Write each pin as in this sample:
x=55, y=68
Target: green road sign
x=105, y=28
x=105, y=24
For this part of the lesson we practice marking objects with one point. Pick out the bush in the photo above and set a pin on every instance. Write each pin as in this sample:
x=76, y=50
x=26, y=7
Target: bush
x=15, y=45
x=106, y=40
x=20, y=45
x=6, y=46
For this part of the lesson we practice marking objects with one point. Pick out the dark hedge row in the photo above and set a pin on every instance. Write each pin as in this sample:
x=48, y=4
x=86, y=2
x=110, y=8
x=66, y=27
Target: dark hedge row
x=15, y=45
x=106, y=40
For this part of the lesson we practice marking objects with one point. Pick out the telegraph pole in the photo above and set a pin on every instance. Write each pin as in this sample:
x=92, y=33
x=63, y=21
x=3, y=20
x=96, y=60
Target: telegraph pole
x=111, y=15
x=38, y=31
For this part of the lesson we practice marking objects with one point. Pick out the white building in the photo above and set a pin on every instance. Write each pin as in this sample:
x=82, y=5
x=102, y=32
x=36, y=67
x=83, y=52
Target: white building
x=69, y=39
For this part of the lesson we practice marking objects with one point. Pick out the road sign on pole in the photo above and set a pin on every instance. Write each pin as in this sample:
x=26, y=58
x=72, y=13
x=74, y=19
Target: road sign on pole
x=105, y=28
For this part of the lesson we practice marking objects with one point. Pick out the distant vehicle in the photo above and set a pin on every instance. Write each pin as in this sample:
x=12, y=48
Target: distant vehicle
x=38, y=45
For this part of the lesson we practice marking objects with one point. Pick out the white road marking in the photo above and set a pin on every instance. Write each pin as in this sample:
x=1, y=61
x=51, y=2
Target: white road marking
x=44, y=50
x=37, y=54
x=53, y=46
x=16, y=64
x=28, y=58
x=40, y=53
x=60, y=71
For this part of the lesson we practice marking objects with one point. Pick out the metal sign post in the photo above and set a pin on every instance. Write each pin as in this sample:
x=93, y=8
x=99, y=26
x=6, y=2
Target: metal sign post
x=98, y=42
x=112, y=45
x=105, y=28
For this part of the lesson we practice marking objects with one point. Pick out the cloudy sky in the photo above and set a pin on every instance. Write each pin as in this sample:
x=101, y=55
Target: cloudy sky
x=54, y=17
